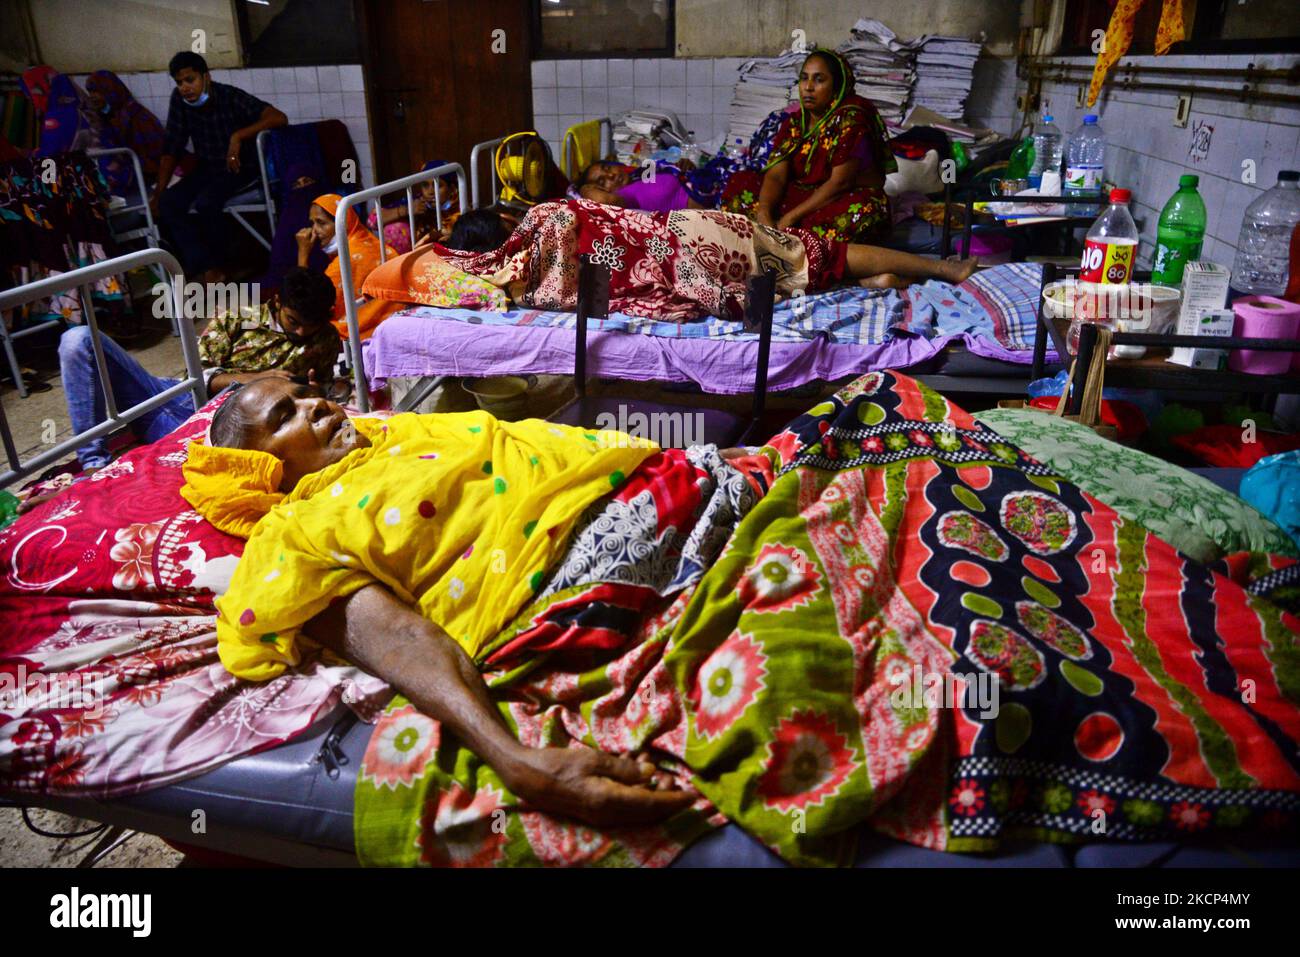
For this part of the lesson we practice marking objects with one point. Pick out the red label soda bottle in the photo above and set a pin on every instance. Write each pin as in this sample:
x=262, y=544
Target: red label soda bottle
x=1111, y=246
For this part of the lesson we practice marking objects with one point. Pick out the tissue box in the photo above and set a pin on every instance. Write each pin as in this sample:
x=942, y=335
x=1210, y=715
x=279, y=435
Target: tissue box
x=1205, y=288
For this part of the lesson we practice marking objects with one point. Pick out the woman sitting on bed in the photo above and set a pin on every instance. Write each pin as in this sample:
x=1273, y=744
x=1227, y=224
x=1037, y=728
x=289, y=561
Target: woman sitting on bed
x=405, y=546
x=676, y=266
x=363, y=249
x=828, y=164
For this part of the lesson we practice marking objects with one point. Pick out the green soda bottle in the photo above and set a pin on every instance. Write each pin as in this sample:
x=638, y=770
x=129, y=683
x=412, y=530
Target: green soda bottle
x=1180, y=234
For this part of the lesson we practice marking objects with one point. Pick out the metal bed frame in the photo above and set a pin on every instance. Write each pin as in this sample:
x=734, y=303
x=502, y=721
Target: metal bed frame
x=81, y=280
x=606, y=142
x=267, y=205
x=350, y=298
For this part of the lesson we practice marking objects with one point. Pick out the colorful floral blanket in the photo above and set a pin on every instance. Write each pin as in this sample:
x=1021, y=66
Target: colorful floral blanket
x=918, y=626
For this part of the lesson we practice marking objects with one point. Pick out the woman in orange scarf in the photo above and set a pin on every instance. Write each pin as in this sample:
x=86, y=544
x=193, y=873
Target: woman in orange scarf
x=363, y=249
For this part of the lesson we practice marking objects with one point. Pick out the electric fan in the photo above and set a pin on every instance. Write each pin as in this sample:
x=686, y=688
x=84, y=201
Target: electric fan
x=521, y=161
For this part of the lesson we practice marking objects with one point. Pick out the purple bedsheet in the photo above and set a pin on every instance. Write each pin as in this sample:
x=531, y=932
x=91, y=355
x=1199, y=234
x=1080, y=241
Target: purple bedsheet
x=412, y=344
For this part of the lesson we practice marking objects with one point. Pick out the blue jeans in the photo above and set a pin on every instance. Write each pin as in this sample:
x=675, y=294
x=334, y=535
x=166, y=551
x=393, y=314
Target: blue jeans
x=131, y=386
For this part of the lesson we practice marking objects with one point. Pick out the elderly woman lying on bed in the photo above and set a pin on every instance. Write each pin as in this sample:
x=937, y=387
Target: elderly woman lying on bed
x=405, y=545
x=900, y=543
x=680, y=266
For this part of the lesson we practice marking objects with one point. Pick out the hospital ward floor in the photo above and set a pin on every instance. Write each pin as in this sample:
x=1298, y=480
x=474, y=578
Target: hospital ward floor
x=21, y=847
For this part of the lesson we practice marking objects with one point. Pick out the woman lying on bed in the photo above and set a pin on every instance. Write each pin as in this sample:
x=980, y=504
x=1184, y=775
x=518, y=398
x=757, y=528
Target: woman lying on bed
x=404, y=546
x=676, y=266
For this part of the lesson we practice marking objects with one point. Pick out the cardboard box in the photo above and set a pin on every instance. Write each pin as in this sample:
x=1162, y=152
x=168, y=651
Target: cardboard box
x=1205, y=289
x=1213, y=322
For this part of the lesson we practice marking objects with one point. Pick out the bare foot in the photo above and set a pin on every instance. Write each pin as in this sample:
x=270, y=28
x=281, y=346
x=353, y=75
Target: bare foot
x=885, y=280
x=958, y=270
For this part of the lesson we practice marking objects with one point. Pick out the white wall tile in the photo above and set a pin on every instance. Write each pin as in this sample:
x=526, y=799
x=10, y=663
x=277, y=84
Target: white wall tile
x=261, y=81
x=621, y=99
x=568, y=73
x=543, y=73
x=594, y=73
x=646, y=73
x=673, y=98
x=569, y=100
x=358, y=130
x=699, y=99
x=284, y=80
x=722, y=99
x=548, y=127
x=699, y=72
x=331, y=106
x=354, y=104
x=309, y=106
x=544, y=101
x=328, y=80
x=1236, y=198
x=673, y=72
x=352, y=78
x=1281, y=151
x=160, y=84
x=621, y=73
x=306, y=78
x=595, y=102
x=287, y=103
x=726, y=70
x=1213, y=190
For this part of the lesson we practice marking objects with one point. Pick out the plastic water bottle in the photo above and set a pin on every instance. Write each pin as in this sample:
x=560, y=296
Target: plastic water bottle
x=1049, y=148
x=1111, y=245
x=1084, y=162
x=1180, y=234
x=1262, y=266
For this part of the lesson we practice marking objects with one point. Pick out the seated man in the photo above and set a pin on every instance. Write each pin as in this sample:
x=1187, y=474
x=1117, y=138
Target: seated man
x=405, y=546
x=223, y=122
x=288, y=336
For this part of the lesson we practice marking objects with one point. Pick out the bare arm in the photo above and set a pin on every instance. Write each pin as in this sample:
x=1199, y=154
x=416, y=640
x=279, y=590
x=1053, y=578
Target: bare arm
x=598, y=195
x=769, y=195
x=840, y=181
x=380, y=633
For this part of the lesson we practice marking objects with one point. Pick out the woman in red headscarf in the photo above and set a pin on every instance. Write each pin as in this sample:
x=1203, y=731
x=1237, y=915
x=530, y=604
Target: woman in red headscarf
x=828, y=163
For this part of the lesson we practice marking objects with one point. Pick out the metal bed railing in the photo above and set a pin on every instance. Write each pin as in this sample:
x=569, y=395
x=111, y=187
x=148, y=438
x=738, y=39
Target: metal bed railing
x=81, y=280
x=350, y=298
x=474, y=154
x=267, y=205
x=606, y=144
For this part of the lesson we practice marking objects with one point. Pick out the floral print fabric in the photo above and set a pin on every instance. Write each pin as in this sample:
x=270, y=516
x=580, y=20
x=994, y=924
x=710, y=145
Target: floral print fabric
x=1188, y=511
x=810, y=680
x=674, y=266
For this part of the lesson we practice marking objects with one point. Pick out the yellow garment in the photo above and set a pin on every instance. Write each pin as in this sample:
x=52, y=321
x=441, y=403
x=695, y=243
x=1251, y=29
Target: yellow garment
x=1119, y=35
x=584, y=146
x=459, y=515
x=232, y=488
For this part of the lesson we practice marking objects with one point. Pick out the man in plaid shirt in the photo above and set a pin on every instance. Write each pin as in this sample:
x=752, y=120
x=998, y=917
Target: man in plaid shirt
x=223, y=122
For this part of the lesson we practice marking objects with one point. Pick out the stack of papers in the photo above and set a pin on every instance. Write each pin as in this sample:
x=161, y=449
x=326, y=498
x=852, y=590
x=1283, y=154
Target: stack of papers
x=929, y=76
x=944, y=68
x=883, y=66
x=639, y=133
x=765, y=85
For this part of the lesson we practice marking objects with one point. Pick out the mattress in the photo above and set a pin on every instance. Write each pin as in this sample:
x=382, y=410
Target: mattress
x=293, y=805
x=826, y=336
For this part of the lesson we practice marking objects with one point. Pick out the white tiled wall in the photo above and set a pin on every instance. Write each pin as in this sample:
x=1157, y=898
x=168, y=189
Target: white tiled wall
x=699, y=91
x=304, y=93
x=1147, y=153
x=992, y=101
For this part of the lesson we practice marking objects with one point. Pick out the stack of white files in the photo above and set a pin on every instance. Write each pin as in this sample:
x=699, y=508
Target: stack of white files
x=883, y=67
x=944, y=71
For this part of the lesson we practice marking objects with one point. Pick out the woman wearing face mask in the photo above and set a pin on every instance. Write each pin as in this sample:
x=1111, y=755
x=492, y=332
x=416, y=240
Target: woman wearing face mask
x=363, y=251
x=828, y=163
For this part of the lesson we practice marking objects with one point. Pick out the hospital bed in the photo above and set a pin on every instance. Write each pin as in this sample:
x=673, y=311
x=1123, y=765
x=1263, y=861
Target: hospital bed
x=292, y=803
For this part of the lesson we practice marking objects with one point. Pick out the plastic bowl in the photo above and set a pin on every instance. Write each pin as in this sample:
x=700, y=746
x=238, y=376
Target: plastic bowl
x=503, y=396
